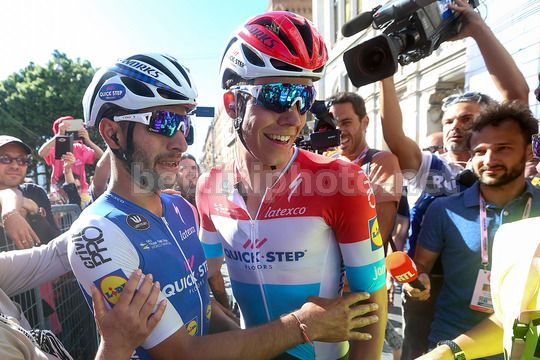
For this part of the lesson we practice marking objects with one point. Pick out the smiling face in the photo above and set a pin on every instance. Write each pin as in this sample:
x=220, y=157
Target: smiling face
x=156, y=158
x=270, y=135
x=499, y=154
x=12, y=175
x=457, y=121
x=353, y=129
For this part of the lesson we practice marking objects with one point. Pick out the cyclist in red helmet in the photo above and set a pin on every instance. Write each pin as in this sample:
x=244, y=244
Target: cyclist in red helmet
x=288, y=222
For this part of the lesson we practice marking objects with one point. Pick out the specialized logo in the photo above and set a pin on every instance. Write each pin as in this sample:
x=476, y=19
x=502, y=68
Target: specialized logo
x=179, y=214
x=144, y=68
x=281, y=212
x=154, y=244
x=138, y=222
x=262, y=37
x=111, y=92
x=192, y=327
x=112, y=285
x=89, y=247
x=375, y=234
x=293, y=186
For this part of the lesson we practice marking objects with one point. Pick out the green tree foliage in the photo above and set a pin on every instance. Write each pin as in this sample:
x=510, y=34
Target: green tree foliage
x=31, y=99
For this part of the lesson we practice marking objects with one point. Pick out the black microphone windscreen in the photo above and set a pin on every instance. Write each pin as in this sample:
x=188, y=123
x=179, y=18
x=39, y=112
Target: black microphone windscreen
x=359, y=23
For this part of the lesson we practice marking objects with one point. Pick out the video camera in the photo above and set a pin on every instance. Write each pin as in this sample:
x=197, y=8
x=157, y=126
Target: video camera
x=325, y=135
x=412, y=30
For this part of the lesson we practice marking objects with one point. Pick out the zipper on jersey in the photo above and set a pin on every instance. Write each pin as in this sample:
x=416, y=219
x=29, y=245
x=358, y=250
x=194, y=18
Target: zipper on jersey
x=190, y=270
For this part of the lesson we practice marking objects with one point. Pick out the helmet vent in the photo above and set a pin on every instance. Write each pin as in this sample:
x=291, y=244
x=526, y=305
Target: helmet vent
x=252, y=57
x=180, y=68
x=137, y=87
x=280, y=65
x=306, y=34
x=157, y=65
x=319, y=70
x=167, y=94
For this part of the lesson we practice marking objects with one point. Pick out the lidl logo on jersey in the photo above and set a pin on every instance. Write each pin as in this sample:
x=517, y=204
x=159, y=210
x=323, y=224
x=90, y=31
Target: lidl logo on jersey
x=375, y=234
x=208, y=311
x=112, y=285
x=192, y=327
x=252, y=259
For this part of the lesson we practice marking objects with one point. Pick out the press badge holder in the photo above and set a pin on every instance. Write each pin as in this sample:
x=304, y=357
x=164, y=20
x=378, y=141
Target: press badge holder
x=481, y=299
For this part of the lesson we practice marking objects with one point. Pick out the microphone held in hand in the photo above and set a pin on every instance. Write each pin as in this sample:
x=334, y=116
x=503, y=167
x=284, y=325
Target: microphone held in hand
x=403, y=270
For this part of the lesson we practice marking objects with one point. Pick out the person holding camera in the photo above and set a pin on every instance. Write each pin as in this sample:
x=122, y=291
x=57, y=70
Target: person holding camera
x=287, y=221
x=432, y=175
x=83, y=148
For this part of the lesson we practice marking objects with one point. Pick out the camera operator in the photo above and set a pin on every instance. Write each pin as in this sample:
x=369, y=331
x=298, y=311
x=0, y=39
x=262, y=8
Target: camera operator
x=434, y=175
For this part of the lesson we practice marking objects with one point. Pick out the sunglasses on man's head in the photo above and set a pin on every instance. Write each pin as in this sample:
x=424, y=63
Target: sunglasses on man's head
x=165, y=123
x=279, y=97
x=472, y=96
x=21, y=161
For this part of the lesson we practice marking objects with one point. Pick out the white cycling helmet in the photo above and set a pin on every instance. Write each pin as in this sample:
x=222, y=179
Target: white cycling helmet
x=138, y=82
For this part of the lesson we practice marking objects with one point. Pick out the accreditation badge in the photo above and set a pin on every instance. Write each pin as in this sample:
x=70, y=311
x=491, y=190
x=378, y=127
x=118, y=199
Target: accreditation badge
x=481, y=299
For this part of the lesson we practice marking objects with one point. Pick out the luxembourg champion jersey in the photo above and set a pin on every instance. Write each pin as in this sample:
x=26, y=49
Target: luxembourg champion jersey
x=317, y=221
x=113, y=237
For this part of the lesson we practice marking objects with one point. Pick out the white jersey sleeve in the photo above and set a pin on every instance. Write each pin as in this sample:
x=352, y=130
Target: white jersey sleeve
x=101, y=255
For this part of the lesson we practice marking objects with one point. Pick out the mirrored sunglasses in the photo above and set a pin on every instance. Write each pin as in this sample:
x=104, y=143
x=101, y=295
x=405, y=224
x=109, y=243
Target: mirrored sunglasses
x=165, y=123
x=7, y=160
x=279, y=97
x=472, y=96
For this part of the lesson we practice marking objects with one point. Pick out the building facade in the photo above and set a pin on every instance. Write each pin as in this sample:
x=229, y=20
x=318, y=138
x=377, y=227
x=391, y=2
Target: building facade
x=455, y=66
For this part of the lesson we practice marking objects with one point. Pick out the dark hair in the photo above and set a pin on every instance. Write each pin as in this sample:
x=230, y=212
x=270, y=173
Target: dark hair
x=350, y=97
x=496, y=114
x=191, y=157
x=62, y=178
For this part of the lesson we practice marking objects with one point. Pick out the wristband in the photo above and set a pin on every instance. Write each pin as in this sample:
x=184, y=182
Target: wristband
x=456, y=350
x=8, y=214
x=303, y=330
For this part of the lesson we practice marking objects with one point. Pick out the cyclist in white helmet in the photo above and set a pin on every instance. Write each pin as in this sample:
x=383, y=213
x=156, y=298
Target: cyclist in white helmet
x=141, y=105
x=288, y=222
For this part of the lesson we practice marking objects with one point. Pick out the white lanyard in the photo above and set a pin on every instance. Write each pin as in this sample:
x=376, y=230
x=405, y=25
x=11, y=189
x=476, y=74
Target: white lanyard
x=484, y=231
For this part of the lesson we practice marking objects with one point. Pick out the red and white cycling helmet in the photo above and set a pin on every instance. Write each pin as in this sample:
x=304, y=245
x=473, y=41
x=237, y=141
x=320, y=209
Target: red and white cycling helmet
x=276, y=43
x=138, y=82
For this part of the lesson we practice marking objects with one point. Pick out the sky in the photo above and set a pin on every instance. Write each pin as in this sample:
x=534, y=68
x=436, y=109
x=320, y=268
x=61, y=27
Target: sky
x=101, y=31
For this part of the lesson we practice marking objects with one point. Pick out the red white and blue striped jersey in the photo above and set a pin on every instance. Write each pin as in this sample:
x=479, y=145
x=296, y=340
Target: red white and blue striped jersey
x=317, y=221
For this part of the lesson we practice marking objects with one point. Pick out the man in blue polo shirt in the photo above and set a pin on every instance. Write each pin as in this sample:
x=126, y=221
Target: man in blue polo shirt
x=460, y=228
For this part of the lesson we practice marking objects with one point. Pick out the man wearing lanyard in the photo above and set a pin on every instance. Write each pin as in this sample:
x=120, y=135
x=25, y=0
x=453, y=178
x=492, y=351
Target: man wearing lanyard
x=460, y=229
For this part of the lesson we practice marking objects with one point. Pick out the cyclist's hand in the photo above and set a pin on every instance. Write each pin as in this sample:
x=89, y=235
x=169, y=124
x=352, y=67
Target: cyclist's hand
x=338, y=319
x=129, y=323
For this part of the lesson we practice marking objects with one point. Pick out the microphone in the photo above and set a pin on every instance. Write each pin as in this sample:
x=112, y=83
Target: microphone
x=357, y=24
x=403, y=270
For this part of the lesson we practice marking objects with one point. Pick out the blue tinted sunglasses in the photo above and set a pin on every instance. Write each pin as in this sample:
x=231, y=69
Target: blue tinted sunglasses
x=279, y=97
x=165, y=123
